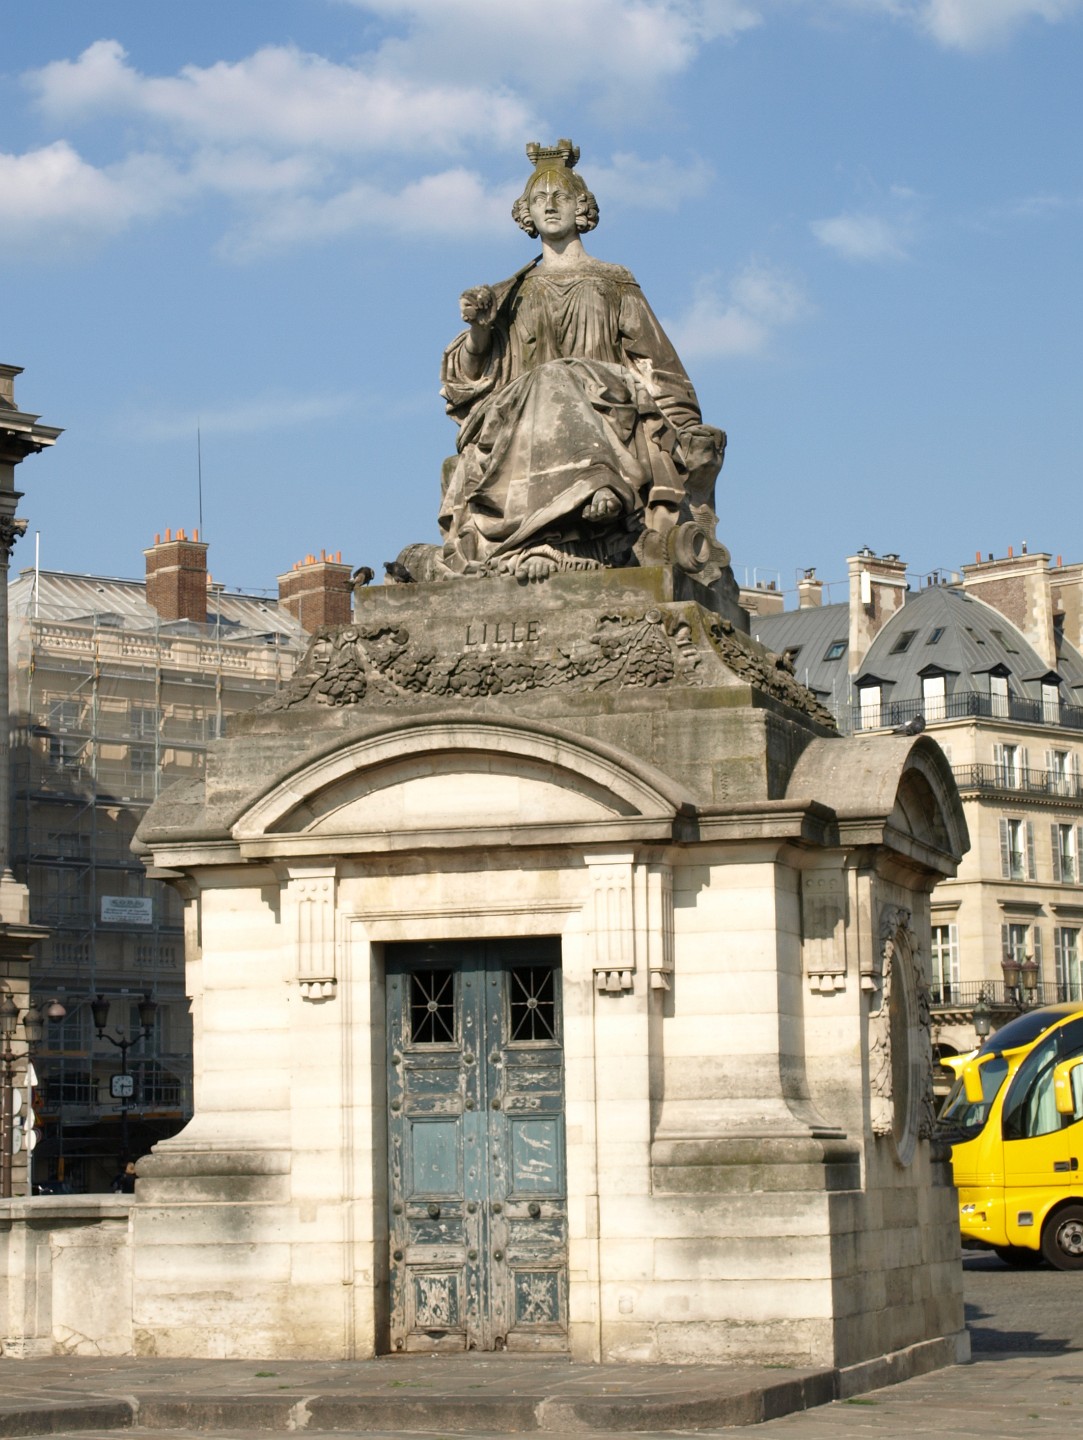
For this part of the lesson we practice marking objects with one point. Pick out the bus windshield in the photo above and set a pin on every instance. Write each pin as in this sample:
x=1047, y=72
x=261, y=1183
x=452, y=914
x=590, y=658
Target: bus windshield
x=962, y=1119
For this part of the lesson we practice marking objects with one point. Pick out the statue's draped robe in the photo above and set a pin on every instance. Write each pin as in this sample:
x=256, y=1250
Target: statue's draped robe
x=582, y=390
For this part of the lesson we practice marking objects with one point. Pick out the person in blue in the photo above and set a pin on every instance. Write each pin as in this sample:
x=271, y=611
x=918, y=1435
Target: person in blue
x=579, y=429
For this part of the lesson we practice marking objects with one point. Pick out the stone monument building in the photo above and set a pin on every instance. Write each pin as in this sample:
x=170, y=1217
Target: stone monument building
x=556, y=968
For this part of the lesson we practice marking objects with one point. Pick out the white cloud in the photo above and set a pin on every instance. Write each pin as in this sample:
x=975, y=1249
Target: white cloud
x=245, y=417
x=660, y=184
x=451, y=203
x=759, y=301
x=305, y=149
x=53, y=198
x=972, y=25
x=860, y=237
x=881, y=232
x=283, y=98
x=633, y=43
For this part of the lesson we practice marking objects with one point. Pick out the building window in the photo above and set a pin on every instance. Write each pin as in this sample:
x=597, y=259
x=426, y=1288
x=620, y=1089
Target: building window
x=69, y=1034
x=1050, y=702
x=69, y=1087
x=836, y=650
x=65, y=747
x=934, y=696
x=1021, y=943
x=903, y=643
x=1067, y=847
x=1063, y=772
x=998, y=695
x=944, y=962
x=1017, y=849
x=143, y=721
x=1011, y=765
x=1069, y=963
x=141, y=759
x=870, y=707
x=935, y=635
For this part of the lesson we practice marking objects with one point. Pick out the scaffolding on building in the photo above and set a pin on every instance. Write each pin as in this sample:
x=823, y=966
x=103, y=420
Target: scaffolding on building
x=109, y=705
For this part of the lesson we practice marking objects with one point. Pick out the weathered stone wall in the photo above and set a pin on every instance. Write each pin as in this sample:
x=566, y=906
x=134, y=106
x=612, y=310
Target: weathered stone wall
x=744, y=1043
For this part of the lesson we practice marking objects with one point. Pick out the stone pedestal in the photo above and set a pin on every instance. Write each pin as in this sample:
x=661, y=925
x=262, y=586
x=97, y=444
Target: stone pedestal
x=740, y=903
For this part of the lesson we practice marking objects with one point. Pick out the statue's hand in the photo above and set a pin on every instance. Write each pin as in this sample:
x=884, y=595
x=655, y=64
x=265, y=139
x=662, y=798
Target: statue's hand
x=478, y=305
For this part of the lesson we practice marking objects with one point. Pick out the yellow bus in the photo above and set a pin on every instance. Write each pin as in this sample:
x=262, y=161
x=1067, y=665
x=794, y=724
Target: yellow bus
x=1014, y=1120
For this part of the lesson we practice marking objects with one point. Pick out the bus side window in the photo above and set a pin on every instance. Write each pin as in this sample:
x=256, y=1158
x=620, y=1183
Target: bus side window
x=1070, y=1044
x=1031, y=1107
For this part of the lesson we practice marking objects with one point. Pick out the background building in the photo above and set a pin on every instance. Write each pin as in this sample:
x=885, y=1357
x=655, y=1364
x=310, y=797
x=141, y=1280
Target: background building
x=989, y=660
x=117, y=688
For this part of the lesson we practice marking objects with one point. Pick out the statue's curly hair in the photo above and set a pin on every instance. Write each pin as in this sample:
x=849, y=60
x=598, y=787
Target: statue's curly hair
x=586, y=207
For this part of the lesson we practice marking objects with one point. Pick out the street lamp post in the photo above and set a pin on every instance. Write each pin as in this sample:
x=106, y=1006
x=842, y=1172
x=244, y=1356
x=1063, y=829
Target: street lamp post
x=9, y=1015
x=99, y=1008
x=982, y=1017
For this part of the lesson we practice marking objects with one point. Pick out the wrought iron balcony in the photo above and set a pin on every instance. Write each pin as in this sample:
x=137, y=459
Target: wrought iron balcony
x=965, y=994
x=965, y=705
x=1026, y=781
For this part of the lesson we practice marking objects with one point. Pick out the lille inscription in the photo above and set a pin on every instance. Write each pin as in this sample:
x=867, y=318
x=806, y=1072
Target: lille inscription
x=503, y=632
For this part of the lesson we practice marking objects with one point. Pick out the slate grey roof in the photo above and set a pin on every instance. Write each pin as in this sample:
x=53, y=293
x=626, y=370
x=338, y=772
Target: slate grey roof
x=811, y=633
x=78, y=599
x=974, y=639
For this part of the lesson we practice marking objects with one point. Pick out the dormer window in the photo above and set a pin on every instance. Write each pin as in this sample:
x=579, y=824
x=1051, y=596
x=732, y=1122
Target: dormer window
x=934, y=696
x=836, y=650
x=998, y=696
x=1051, y=702
x=903, y=643
x=870, y=707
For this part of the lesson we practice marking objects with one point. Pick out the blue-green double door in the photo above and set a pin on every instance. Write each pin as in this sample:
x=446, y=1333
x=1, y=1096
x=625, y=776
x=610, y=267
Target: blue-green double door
x=477, y=1193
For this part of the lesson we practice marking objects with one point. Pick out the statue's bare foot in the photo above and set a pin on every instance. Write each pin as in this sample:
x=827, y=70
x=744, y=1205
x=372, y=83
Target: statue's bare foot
x=537, y=567
x=604, y=504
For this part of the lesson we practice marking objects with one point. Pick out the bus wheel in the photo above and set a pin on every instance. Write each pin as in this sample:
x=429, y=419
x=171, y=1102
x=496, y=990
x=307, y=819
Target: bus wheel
x=1062, y=1238
x=1018, y=1256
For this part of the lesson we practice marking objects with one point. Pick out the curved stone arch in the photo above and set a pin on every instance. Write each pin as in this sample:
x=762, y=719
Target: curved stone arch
x=927, y=799
x=615, y=782
x=900, y=1040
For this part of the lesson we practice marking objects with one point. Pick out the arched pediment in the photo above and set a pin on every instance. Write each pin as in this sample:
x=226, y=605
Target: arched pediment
x=473, y=776
x=887, y=784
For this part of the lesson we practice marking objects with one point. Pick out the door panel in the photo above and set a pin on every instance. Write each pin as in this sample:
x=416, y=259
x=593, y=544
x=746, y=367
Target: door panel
x=479, y=1229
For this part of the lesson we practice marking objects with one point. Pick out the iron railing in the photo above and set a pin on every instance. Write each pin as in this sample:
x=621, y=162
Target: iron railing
x=1027, y=781
x=965, y=994
x=963, y=705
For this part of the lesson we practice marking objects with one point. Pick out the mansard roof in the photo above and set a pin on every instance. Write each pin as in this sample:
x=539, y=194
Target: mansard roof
x=939, y=630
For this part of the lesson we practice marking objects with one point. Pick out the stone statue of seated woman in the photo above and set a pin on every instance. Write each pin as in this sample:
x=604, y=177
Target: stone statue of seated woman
x=580, y=442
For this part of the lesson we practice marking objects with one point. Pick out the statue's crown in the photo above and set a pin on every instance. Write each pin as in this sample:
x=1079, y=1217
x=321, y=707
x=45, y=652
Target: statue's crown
x=544, y=157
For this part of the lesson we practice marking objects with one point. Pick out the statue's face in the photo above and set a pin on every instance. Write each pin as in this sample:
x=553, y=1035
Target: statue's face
x=552, y=208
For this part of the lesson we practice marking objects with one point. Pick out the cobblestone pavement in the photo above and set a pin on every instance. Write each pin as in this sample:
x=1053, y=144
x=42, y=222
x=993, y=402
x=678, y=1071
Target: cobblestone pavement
x=1024, y=1383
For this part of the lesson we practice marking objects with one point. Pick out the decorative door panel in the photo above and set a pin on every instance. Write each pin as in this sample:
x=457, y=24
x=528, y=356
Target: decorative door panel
x=479, y=1232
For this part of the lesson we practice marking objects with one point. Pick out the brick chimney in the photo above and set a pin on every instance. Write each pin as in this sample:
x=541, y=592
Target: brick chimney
x=810, y=591
x=877, y=592
x=1019, y=587
x=177, y=577
x=1066, y=583
x=317, y=592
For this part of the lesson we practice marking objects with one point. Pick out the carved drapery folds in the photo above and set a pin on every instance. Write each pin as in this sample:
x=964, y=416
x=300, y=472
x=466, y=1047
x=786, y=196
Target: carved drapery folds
x=309, y=914
x=900, y=1038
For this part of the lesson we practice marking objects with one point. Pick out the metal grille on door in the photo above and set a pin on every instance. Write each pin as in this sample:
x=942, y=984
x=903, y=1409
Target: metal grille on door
x=479, y=1230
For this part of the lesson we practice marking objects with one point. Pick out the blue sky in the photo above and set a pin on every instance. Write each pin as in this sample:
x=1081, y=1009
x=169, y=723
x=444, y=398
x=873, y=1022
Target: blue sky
x=860, y=221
